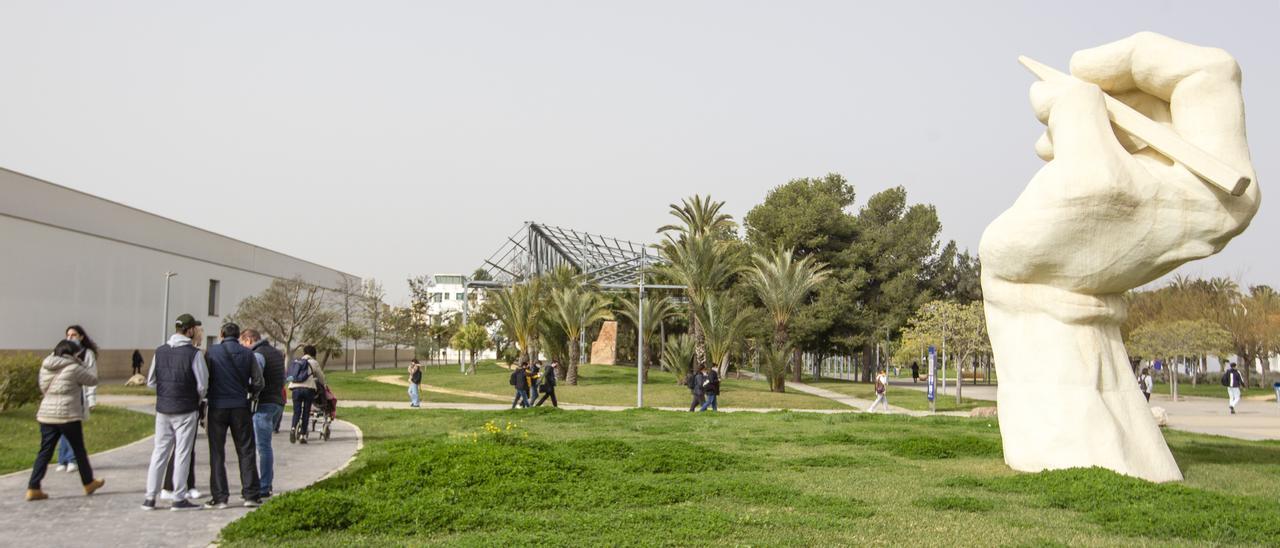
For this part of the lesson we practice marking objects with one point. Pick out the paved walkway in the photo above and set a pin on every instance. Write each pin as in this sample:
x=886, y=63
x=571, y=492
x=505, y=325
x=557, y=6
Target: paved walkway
x=112, y=518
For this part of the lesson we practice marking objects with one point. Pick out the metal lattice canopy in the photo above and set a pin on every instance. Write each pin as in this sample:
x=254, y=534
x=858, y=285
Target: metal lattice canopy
x=537, y=249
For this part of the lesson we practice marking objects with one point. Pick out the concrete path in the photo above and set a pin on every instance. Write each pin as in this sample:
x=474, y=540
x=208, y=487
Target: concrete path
x=112, y=517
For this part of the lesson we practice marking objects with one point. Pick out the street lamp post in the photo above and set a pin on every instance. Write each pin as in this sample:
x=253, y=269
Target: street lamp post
x=167, y=327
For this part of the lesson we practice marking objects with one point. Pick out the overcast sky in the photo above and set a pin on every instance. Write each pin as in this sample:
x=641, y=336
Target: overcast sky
x=401, y=138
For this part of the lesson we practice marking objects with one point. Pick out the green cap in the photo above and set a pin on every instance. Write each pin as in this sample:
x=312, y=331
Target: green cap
x=186, y=321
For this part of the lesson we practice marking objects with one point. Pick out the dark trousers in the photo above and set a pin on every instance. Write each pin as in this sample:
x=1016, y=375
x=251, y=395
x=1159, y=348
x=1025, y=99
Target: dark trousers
x=240, y=421
x=697, y=400
x=49, y=436
x=549, y=391
x=1148, y=395
x=522, y=398
x=302, y=400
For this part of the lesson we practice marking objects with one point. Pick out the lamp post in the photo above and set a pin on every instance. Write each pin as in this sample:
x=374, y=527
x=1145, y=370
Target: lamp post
x=167, y=326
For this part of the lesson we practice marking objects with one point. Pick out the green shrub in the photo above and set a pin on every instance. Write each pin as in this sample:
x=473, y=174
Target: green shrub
x=19, y=380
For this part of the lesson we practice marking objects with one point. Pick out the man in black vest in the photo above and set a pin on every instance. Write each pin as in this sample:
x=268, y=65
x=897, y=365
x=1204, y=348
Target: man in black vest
x=235, y=379
x=180, y=379
x=270, y=404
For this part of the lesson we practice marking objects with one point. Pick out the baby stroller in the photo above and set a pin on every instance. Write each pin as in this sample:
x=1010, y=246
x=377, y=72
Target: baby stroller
x=323, y=411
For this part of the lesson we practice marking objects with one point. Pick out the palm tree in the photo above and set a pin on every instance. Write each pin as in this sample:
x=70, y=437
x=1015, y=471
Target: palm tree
x=703, y=265
x=653, y=312
x=782, y=282
x=700, y=217
x=724, y=323
x=677, y=355
x=518, y=309
x=575, y=310
x=775, y=360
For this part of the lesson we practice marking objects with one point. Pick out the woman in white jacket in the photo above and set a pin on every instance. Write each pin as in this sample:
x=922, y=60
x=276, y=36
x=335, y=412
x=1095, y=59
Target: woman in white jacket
x=89, y=357
x=62, y=380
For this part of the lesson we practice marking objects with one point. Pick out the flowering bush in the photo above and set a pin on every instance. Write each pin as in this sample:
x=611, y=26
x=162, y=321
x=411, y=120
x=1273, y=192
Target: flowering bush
x=509, y=434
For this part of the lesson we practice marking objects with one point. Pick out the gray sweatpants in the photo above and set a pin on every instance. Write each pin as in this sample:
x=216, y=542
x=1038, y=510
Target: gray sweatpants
x=173, y=433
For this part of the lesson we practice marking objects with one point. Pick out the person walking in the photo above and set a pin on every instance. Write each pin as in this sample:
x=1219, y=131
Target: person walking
x=710, y=389
x=534, y=372
x=520, y=380
x=62, y=380
x=270, y=405
x=915, y=372
x=235, y=380
x=694, y=382
x=882, y=387
x=305, y=378
x=1233, y=381
x=549, y=385
x=180, y=378
x=89, y=357
x=415, y=379
x=1145, y=382
x=137, y=362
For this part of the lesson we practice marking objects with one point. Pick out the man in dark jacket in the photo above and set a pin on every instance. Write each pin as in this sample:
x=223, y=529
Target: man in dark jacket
x=549, y=385
x=520, y=379
x=270, y=404
x=694, y=382
x=235, y=379
x=710, y=389
x=1233, y=381
x=915, y=372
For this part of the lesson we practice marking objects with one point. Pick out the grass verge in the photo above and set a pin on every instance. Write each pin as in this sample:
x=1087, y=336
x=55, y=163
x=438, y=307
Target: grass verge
x=107, y=428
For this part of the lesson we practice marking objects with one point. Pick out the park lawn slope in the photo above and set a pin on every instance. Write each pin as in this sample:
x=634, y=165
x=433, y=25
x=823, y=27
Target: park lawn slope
x=107, y=428
x=905, y=398
x=654, y=478
x=359, y=386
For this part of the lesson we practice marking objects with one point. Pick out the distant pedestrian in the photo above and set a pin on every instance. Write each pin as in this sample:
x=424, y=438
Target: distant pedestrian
x=710, y=389
x=549, y=385
x=305, y=379
x=915, y=372
x=181, y=379
x=62, y=380
x=520, y=380
x=88, y=356
x=415, y=379
x=1145, y=382
x=1233, y=381
x=882, y=388
x=270, y=405
x=235, y=380
x=535, y=371
x=137, y=362
x=694, y=382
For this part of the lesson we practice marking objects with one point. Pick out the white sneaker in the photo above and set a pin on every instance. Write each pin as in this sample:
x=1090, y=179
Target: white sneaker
x=72, y=467
x=61, y=468
x=166, y=495
x=193, y=494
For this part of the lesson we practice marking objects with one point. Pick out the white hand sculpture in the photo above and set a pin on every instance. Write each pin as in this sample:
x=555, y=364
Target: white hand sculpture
x=1105, y=215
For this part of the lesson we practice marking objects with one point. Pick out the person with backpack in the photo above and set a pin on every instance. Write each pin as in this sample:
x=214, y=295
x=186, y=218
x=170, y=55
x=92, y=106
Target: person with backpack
x=1233, y=381
x=270, y=405
x=710, y=389
x=305, y=378
x=1145, y=382
x=694, y=382
x=549, y=385
x=180, y=378
x=235, y=380
x=62, y=380
x=882, y=386
x=520, y=380
x=415, y=379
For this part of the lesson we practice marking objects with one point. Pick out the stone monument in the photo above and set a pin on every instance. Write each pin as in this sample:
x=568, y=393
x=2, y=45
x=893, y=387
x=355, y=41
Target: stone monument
x=604, y=350
x=1108, y=212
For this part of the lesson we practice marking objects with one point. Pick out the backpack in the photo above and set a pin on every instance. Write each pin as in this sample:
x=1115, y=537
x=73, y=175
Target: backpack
x=879, y=386
x=513, y=377
x=416, y=377
x=1226, y=379
x=299, y=370
x=1142, y=383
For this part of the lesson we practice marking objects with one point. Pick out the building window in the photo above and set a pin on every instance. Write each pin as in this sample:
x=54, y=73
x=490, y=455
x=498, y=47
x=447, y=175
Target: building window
x=210, y=341
x=213, y=297
x=460, y=297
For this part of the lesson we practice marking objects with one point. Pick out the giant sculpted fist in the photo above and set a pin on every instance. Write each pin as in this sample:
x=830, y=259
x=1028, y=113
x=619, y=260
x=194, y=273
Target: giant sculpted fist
x=1104, y=215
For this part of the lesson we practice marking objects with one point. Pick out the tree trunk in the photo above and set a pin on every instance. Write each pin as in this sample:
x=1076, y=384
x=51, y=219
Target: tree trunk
x=571, y=376
x=395, y=354
x=699, y=346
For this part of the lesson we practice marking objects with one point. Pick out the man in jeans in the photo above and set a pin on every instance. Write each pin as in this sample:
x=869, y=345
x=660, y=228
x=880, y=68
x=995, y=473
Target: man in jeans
x=234, y=381
x=180, y=378
x=270, y=404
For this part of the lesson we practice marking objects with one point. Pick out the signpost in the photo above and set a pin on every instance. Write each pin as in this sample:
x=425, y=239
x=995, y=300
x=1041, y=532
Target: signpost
x=932, y=385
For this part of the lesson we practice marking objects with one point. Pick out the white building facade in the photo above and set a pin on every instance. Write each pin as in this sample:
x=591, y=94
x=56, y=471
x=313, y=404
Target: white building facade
x=73, y=258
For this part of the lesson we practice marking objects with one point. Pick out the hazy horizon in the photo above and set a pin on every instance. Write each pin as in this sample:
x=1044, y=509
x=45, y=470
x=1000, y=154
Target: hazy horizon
x=419, y=136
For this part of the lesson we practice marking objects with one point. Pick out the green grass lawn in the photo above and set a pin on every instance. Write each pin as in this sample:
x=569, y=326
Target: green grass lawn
x=652, y=478
x=1211, y=390
x=616, y=385
x=358, y=386
x=905, y=398
x=106, y=428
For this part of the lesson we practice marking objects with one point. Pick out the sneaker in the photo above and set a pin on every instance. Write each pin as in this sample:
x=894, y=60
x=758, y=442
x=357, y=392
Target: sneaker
x=215, y=505
x=182, y=505
x=1233, y=409
x=72, y=467
x=94, y=485
x=252, y=503
x=304, y=440
x=265, y=495
x=193, y=494
x=60, y=468
x=36, y=494
x=166, y=495
x=149, y=504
